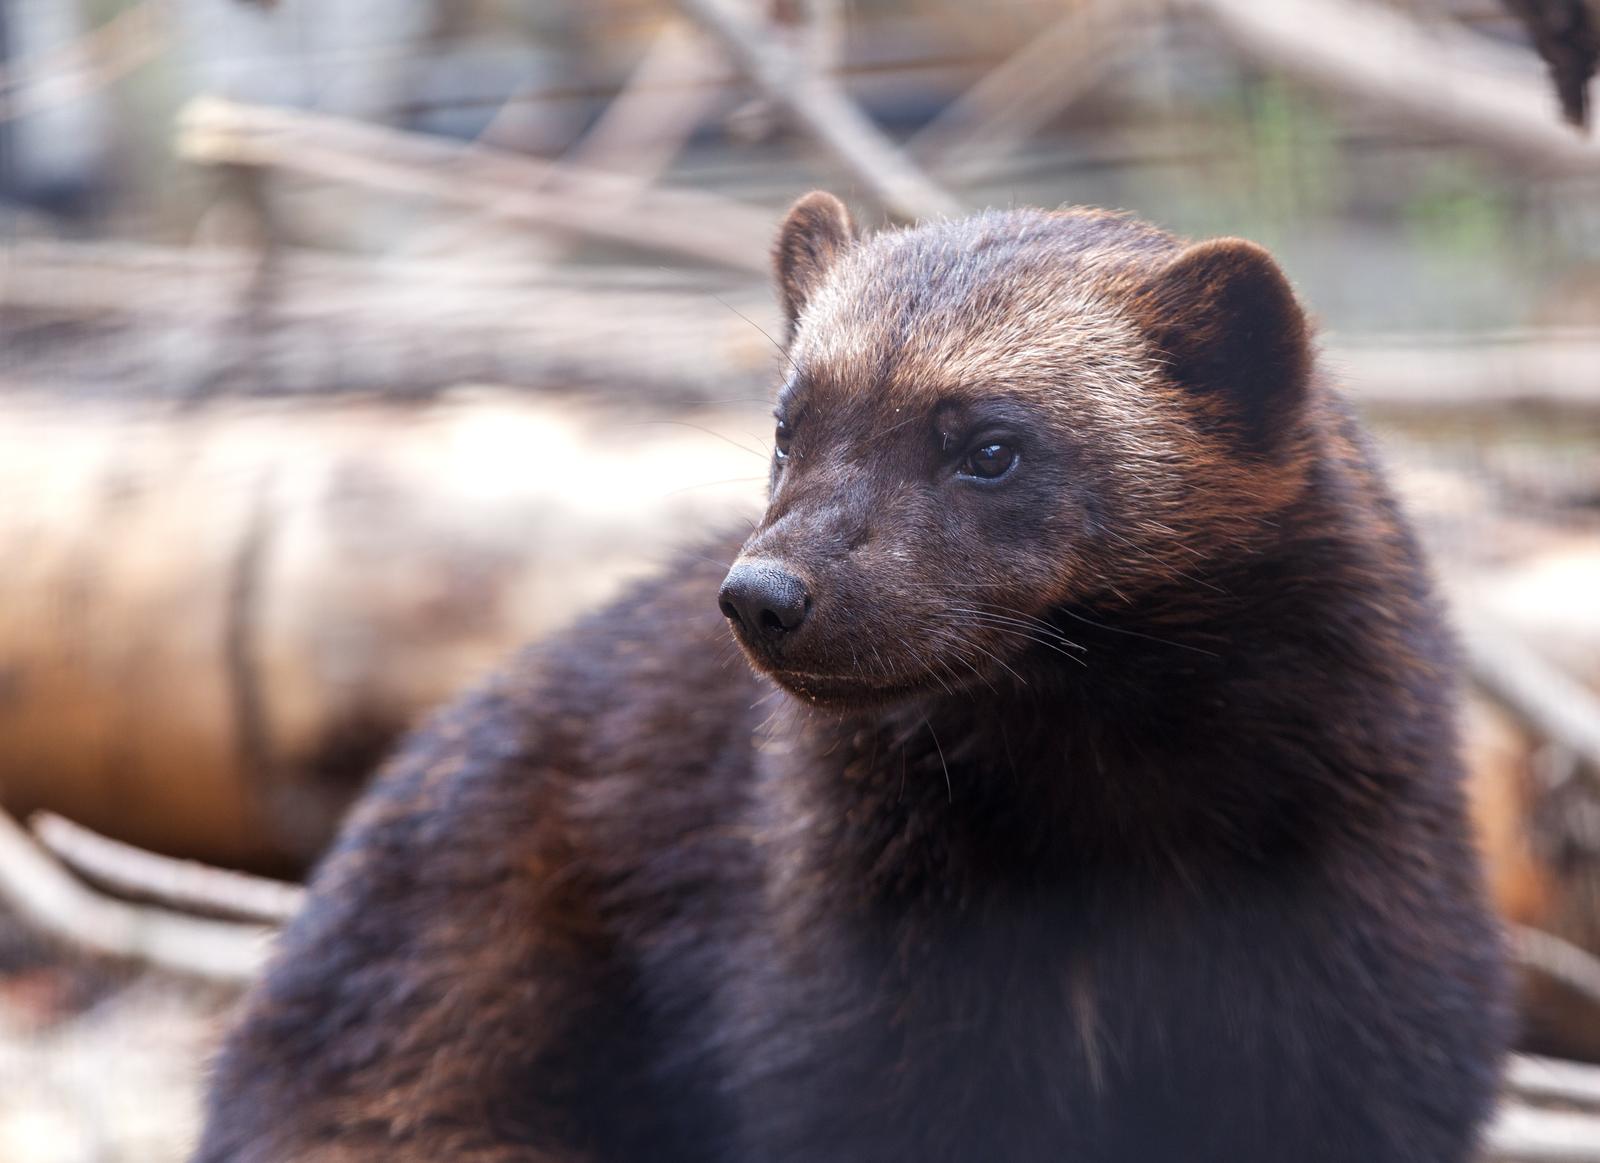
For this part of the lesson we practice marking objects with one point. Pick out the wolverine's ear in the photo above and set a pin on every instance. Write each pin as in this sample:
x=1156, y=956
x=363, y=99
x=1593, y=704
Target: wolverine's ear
x=1224, y=317
x=813, y=236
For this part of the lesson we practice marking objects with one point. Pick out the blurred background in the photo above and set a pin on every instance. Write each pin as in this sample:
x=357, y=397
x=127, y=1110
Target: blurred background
x=347, y=344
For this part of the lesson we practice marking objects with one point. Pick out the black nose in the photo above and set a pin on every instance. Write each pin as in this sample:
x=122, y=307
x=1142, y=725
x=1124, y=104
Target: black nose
x=767, y=602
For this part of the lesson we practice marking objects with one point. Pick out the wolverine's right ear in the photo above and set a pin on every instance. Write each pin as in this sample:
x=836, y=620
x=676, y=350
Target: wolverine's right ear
x=1230, y=330
x=813, y=236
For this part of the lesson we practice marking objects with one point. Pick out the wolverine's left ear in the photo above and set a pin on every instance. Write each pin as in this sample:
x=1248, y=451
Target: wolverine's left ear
x=815, y=233
x=1225, y=319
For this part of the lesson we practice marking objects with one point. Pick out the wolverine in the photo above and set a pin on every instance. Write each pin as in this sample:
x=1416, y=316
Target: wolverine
x=1091, y=793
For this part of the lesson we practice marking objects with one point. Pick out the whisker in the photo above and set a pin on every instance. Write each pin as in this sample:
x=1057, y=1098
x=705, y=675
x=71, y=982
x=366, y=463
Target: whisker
x=1048, y=645
x=949, y=788
x=998, y=661
x=778, y=347
x=762, y=456
x=1146, y=553
x=1138, y=634
x=1027, y=622
x=716, y=561
x=979, y=675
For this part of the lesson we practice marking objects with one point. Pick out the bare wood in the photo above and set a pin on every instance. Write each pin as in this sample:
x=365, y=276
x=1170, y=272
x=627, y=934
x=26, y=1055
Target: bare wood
x=1553, y=705
x=1032, y=87
x=512, y=187
x=1439, y=76
x=1524, y=1134
x=47, y=895
x=1554, y=1080
x=817, y=103
x=185, y=884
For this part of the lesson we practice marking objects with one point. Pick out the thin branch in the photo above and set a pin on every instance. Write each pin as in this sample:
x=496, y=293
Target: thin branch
x=185, y=884
x=513, y=187
x=645, y=126
x=1554, y=1080
x=817, y=103
x=53, y=899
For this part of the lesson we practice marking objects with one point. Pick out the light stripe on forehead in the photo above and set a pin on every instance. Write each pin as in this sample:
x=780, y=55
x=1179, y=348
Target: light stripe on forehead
x=1023, y=325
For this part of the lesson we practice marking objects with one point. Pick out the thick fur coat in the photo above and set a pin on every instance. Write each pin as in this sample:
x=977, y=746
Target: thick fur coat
x=1093, y=794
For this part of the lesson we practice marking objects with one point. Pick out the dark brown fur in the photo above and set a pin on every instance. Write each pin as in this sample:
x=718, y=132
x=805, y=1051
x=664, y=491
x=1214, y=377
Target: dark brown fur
x=1107, y=812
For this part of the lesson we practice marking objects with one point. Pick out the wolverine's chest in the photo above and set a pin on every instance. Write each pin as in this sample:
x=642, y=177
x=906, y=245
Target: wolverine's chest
x=872, y=1042
x=1054, y=1031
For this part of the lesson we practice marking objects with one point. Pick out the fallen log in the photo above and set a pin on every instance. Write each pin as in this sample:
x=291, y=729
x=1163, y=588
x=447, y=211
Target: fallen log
x=217, y=620
x=627, y=332
x=185, y=321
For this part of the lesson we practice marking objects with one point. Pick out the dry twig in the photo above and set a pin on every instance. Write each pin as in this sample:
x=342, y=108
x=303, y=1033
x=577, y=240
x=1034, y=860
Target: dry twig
x=50, y=897
x=817, y=103
x=185, y=884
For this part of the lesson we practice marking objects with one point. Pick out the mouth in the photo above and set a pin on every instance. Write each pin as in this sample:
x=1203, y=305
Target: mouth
x=835, y=690
x=842, y=692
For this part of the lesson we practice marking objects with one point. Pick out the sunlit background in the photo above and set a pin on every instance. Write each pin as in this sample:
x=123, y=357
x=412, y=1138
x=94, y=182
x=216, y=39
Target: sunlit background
x=347, y=344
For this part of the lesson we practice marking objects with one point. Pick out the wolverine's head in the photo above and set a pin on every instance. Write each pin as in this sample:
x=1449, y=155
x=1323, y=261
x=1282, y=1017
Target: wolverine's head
x=986, y=420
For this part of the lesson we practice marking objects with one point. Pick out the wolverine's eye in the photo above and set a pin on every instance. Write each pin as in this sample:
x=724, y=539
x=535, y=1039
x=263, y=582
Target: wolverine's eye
x=988, y=463
x=781, y=439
